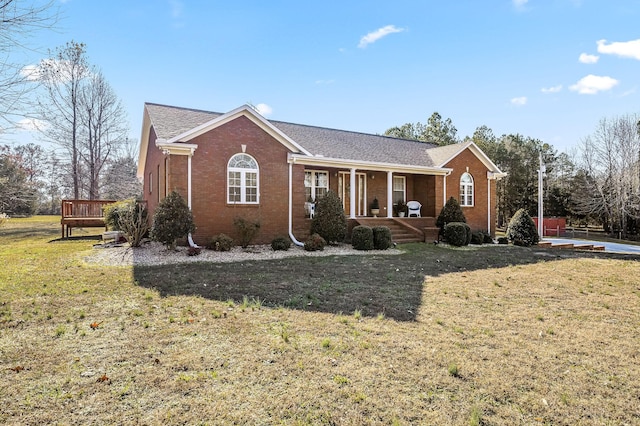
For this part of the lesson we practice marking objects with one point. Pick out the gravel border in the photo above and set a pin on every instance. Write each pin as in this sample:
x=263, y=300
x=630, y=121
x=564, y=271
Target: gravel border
x=153, y=253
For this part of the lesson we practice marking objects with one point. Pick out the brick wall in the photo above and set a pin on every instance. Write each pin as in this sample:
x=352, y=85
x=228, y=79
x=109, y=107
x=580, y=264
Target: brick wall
x=476, y=215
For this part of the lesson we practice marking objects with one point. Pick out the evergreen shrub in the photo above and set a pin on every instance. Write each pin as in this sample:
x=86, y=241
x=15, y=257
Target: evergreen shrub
x=172, y=220
x=381, y=237
x=457, y=234
x=362, y=237
x=329, y=220
x=315, y=243
x=522, y=229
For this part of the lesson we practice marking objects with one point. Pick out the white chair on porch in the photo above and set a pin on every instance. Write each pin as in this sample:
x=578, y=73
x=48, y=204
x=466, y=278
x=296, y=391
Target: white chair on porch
x=414, y=208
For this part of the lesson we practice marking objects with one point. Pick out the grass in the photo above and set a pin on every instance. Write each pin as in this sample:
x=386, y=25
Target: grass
x=491, y=335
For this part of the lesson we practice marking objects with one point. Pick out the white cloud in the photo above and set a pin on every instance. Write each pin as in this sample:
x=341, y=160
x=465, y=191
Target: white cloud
x=31, y=72
x=264, y=109
x=519, y=3
x=31, y=124
x=553, y=89
x=520, y=101
x=592, y=84
x=585, y=58
x=625, y=49
x=376, y=35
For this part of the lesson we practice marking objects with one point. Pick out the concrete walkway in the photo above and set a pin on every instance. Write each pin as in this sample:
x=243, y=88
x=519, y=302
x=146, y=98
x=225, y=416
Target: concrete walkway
x=608, y=247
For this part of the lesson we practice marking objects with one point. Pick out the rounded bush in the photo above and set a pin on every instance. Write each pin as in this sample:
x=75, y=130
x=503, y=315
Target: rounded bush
x=315, y=243
x=503, y=240
x=362, y=238
x=221, y=242
x=522, y=229
x=281, y=243
x=381, y=237
x=477, y=238
x=487, y=238
x=457, y=233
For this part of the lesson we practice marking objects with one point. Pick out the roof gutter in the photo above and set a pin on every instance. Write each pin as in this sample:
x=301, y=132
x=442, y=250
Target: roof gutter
x=368, y=165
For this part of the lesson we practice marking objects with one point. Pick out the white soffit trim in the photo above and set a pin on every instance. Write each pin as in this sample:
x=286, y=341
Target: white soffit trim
x=251, y=114
x=176, y=148
x=366, y=165
x=478, y=153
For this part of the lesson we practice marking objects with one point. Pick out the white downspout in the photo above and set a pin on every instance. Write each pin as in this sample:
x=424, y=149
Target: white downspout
x=293, y=238
x=444, y=190
x=489, y=203
x=389, y=194
x=189, y=237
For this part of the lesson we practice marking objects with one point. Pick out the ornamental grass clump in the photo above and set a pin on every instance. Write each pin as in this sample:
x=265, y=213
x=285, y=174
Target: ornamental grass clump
x=362, y=238
x=133, y=221
x=329, y=220
x=172, y=220
x=246, y=230
x=522, y=229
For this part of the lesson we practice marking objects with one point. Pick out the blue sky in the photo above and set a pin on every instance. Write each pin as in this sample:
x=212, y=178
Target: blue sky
x=547, y=69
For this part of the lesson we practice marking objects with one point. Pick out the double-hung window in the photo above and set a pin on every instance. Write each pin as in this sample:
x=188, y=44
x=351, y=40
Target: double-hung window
x=466, y=190
x=316, y=184
x=399, y=189
x=242, y=180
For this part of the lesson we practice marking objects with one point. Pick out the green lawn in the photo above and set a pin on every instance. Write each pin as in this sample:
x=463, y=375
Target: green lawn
x=483, y=335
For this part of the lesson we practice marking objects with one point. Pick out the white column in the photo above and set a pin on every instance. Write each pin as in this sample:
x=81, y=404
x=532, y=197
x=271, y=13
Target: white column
x=352, y=195
x=389, y=193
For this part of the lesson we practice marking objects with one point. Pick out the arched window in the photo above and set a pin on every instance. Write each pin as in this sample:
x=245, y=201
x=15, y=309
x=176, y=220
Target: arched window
x=466, y=190
x=242, y=180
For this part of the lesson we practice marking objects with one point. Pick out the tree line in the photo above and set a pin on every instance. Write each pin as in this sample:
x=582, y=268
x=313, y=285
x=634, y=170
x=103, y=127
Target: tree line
x=598, y=184
x=74, y=109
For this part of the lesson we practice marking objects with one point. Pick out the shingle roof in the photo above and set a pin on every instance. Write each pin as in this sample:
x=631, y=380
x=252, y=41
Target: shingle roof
x=169, y=121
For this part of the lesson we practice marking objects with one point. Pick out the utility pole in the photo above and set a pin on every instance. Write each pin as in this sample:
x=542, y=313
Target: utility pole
x=541, y=174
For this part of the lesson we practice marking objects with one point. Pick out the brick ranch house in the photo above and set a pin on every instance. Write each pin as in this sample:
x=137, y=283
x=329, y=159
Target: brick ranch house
x=239, y=164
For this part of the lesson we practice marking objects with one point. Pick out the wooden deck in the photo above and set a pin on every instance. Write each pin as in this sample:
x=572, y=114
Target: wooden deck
x=82, y=214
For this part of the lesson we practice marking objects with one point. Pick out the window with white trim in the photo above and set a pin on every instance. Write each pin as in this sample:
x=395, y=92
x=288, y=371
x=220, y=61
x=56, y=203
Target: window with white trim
x=242, y=179
x=399, y=189
x=466, y=190
x=316, y=184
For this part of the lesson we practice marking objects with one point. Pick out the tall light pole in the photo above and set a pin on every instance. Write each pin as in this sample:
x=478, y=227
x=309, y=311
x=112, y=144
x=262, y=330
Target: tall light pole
x=541, y=174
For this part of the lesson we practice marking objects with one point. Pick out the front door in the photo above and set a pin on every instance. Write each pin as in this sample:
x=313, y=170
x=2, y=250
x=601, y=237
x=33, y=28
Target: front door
x=344, y=186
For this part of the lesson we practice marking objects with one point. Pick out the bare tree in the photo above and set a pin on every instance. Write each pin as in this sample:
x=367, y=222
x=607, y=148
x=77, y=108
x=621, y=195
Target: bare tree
x=19, y=19
x=62, y=77
x=104, y=128
x=610, y=165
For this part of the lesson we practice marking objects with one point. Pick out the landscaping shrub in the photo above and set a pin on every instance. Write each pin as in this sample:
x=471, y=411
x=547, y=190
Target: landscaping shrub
x=522, y=229
x=381, y=237
x=329, y=221
x=246, y=229
x=172, y=220
x=281, y=243
x=451, y=212
x=477, y=237
x=362, y=238
x=457, y=233
x=112, y=214
x=221, y=242
x=315, y=243
x=503, y=240
x=133, y=221
x=487, y=238
x=193, y=251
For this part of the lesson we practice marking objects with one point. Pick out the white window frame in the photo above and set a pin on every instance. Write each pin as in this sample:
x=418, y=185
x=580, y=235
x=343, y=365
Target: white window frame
x=244, y=173
x=394, y=190
x=313, y=180
x=466, y=191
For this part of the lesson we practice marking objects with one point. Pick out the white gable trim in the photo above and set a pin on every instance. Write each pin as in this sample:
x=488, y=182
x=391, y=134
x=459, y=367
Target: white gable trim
x=478, y=153
x=251, y=114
